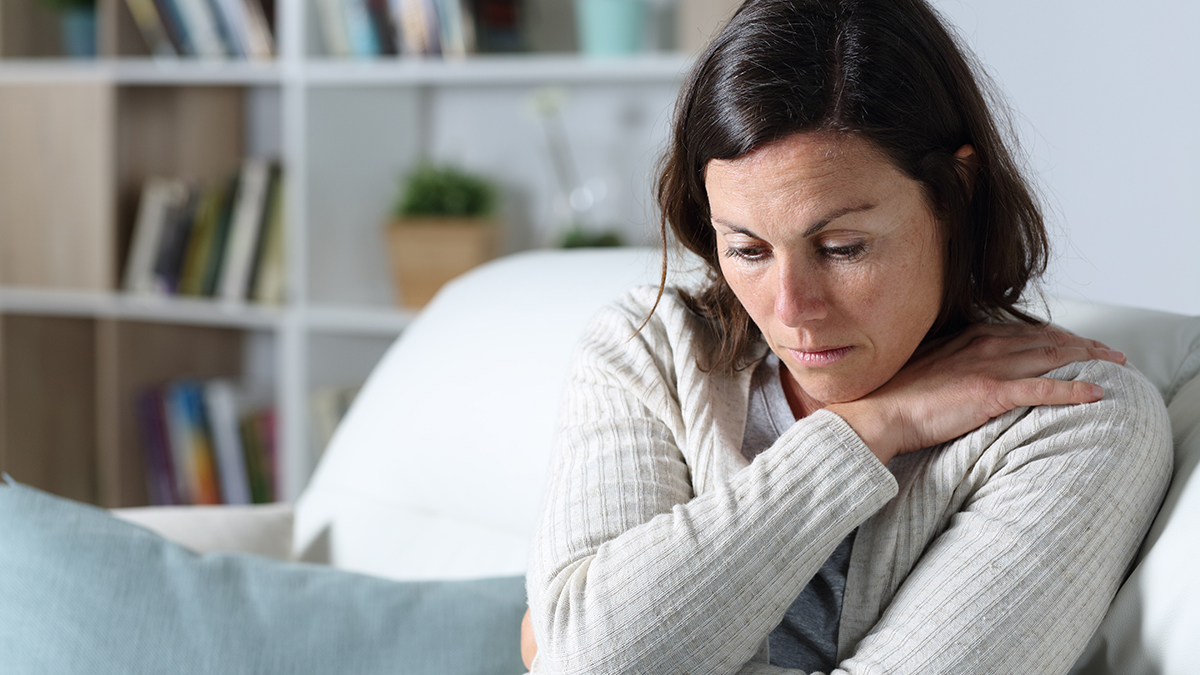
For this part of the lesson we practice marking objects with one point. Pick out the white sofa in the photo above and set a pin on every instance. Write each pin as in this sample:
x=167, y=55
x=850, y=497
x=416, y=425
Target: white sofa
x=436, y=471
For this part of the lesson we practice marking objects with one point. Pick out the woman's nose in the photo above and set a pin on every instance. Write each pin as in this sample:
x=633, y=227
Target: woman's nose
x=799, y=296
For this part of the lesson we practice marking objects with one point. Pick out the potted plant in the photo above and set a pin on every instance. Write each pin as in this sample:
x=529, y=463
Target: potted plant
x=78, y=26
x=442, y=225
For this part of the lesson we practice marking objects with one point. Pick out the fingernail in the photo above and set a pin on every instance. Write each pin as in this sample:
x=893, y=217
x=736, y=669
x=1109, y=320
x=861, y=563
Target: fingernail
x=1117, y=354
x=1097, y=392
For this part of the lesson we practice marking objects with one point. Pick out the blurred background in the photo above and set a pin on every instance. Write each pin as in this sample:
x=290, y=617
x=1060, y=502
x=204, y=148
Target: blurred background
x=216, y=215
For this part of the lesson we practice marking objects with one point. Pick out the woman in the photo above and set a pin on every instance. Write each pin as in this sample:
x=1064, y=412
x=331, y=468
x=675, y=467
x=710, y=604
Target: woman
x=841, y=455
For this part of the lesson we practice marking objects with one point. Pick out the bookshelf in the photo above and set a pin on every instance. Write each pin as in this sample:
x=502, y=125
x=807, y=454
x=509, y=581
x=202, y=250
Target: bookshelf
x=75, y=348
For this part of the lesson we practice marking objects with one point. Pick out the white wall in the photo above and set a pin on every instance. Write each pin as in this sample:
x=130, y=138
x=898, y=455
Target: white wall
x=1107, y=103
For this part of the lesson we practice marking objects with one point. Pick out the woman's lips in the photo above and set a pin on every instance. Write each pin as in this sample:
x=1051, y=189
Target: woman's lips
x=816, y=359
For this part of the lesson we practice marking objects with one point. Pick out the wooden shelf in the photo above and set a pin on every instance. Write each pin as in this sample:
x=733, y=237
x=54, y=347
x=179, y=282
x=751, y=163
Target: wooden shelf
x=161, y=309
x=141, y=71
x=532, y=69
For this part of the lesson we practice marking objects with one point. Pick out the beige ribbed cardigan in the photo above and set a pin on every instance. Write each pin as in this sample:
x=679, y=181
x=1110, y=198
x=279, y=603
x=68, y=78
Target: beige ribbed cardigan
x=662, y=550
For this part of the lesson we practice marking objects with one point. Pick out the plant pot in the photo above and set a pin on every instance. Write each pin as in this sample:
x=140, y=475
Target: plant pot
x=428, y=252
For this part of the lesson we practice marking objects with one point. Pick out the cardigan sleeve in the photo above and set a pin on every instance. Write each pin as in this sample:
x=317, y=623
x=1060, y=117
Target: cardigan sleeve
x=1045, y=523
x=1043, y=527
x=630, y=571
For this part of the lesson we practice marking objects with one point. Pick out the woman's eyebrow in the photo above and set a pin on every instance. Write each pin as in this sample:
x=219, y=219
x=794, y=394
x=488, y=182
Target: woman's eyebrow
x=815, y=228
x=829, y=218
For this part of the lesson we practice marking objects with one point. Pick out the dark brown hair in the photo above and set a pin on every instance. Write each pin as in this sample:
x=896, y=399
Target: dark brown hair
x=887, y=71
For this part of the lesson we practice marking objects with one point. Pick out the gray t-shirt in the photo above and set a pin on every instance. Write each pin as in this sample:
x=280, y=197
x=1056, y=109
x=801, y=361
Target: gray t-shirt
x=807, y=636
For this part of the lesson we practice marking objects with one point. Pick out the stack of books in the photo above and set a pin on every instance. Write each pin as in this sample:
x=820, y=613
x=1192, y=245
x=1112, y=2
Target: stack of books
x=200, y=448
x=207, y=28
x=222, y=241
x=453, y=28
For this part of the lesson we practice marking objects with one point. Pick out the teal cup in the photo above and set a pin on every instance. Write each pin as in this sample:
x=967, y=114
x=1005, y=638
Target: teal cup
x=609, y=28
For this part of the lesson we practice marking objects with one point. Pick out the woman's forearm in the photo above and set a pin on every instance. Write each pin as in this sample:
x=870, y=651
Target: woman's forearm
x=630, y=573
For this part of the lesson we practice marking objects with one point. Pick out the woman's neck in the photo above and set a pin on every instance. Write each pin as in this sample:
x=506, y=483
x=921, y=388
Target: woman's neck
x=799, y=401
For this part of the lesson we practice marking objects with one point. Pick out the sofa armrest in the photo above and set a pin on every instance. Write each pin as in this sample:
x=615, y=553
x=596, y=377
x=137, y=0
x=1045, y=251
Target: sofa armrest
x=264, y=529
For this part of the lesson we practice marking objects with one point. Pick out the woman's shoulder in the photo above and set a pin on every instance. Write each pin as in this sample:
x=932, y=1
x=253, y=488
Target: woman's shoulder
x=1126, y=434
x=662, y=322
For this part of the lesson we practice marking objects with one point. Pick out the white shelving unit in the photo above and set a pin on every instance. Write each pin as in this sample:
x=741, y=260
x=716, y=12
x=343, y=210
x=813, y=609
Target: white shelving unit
x=346, y=131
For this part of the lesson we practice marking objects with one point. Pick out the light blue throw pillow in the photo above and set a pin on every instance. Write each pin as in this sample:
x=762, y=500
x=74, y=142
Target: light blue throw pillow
x=83, y=592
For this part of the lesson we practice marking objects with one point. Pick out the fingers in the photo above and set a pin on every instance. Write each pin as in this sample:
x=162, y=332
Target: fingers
x=1045, y=391
x=1034, y=352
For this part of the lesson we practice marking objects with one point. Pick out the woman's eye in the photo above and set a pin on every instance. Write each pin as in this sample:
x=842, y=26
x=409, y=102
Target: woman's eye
x=848, y=252
x=751, y=253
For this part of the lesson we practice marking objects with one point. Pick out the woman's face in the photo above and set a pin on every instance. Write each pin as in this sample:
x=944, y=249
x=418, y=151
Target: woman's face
x=834, y=254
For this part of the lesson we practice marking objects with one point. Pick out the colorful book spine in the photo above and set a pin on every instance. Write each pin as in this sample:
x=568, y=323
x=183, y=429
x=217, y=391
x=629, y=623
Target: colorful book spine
x=172, y=19
x=245, y=225
x=268, y=276
x=191, y=444
x=173, y=246
x=159, y=467
x=220, y=403
x=159, y=197
x=199, y=252
x=216, y=260
x=363, y=40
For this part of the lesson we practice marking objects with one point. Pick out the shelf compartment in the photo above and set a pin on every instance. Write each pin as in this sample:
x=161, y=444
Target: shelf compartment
x=68, y=388
x=48, y=404
x=132, y=356
x=56, y=185
x=193, y=133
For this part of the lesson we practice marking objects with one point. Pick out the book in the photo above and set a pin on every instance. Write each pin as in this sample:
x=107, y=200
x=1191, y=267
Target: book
x=145, y=15
x=200, y=242
x=172, y=20
x=173, y=244
x=395, y=9
x=362, y=36
x=202, y=28
x=452, y=37
x=221, y=405
x=216, y=260
x=187, y=405
x=260, y=41
x=418, y=23
x=231, y=19
x=333, y=28
x=245, y=223
x=159, y=197
x=258, y=461
x=497, y=26
x=385, y=28
x=159, y=468
x=269, y=274
x=174, y=412
x=265, y=422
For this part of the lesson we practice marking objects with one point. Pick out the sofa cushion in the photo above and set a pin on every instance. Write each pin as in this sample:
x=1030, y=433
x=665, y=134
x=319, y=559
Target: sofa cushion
x=451, y=434
x=261, y=529
x=1152, y=625
x=1164, y=346
x=82, y=591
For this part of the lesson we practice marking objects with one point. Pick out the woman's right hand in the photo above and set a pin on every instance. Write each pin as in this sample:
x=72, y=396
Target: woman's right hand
x=955, y=385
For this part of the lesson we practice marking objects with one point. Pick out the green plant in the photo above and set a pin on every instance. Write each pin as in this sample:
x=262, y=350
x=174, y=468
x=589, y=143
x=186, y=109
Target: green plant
x=578, y=237
x=444, y=191
x=63, y=5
